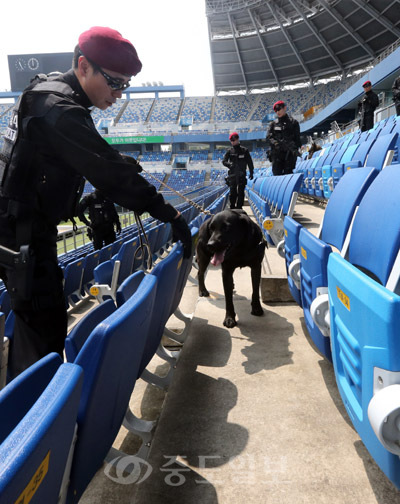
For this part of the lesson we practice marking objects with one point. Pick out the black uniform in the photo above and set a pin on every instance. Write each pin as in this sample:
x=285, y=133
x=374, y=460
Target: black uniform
x=50, y=145
x=396, y=94
x=284, y=137
x=366, y=109
x=237, y=159
x=102, y=219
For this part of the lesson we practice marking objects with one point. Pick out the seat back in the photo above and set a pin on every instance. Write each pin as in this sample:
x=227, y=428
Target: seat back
x=167, y=274
x=105, y=253
x=78, y=335
x=343, y=202
x=375, y=239
x=126, y=257
x=38, y=411
x=110, y=359
x=73, y=279
x=363, y=149
x=89, y=264
x=292, y=187
x=381, y=147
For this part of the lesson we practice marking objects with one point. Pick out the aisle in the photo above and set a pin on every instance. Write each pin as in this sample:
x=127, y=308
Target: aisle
x=253, y=415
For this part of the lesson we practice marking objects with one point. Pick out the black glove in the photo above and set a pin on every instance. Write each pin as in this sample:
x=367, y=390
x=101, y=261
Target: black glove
x=251, y=176
x=89, y=231
x=181, y=231
x=118, y=227
x=131, y=160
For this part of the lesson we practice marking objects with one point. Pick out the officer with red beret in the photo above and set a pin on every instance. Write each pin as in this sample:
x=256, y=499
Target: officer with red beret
x=51, y=146
x=284, y=138
x=237, y=159
x=366, y=107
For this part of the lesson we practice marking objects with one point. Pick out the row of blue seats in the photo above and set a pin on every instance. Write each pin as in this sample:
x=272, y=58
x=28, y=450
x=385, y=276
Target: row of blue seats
x=347, y=280
x=108, y=266
x=377, y=147
x=271, y=199
x=60, y=419
x=112, y=264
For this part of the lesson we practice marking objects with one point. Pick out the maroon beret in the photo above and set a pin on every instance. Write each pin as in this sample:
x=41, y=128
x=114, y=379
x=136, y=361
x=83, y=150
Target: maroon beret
x=367, y=83
x=233, y=135
x=279, y=103
x=108, y=49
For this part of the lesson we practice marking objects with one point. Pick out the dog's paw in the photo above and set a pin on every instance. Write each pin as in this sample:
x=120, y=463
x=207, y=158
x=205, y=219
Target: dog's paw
x=204, y=293
x=257, y=310
x=229, y=322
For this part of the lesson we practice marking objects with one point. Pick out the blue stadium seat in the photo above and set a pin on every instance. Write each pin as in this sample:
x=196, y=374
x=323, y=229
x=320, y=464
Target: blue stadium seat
x=315, y=250
x=73, y=282
x=285, y=194
x=365, y=321
x=89, y=264
x=167, y=274
x=110, y=358
x=38, y=411
x=78, y=335
x=291, y=230
x=110, y=274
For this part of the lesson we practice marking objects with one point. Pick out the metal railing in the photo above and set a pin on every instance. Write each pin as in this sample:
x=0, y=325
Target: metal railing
x=355, y=77
x=69, y=240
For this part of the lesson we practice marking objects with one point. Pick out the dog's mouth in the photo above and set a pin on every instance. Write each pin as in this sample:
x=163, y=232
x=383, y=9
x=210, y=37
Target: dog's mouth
x=219, y=256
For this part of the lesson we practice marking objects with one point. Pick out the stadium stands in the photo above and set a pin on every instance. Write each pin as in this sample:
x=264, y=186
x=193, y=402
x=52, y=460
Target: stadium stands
x=165, y=110
x=199, y=108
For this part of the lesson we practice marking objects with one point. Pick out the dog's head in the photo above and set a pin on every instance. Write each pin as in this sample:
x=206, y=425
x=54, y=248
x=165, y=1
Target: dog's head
x=227, y=230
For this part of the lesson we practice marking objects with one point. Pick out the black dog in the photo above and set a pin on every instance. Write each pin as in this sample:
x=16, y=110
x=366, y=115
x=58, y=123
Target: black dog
x=231, y=239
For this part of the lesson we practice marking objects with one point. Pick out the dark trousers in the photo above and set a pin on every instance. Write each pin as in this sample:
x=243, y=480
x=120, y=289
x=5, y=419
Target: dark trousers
x=103, y=235
x=397, y=105
x=236, y=193
x=41, y=320
x=367, y=122
x=283, y=164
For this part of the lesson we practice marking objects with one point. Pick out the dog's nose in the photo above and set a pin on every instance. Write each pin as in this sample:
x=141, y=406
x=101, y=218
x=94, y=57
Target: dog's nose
x=211, y=244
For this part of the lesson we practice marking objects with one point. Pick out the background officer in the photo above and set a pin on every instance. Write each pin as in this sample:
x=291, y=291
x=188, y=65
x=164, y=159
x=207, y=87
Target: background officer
x=102, y=216
x=396, y=95
x=366, y=107
x=284, y=137
x=51, y=146
x=237, y=159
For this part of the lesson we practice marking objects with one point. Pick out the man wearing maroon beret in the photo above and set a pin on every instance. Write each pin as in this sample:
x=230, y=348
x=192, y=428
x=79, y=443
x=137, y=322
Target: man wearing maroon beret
x=51, y=146
x=366, y=107
x=284, y=138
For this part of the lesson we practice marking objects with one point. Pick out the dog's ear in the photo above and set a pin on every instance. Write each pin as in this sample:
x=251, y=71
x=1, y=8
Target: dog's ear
x=253, y=231
x=205, y=229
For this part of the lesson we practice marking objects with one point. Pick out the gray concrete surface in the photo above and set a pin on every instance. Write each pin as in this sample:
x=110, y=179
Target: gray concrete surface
x=253, y=414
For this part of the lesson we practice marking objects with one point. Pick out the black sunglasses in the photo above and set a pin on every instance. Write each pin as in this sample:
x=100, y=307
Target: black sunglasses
x=234, y=138
x=114, y=83
x=279, y=107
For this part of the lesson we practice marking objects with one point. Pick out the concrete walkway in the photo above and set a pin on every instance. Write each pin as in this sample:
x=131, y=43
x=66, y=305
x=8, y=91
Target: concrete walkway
x=253, y=414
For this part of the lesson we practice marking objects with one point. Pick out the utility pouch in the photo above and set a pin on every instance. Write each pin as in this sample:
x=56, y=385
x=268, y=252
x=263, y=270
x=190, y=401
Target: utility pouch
x=19, y=268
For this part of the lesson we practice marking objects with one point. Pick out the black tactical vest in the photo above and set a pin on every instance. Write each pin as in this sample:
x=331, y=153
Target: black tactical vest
x=19, y=177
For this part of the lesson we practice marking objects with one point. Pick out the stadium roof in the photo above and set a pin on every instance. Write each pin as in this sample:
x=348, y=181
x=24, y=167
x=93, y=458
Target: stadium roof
x=267, y=43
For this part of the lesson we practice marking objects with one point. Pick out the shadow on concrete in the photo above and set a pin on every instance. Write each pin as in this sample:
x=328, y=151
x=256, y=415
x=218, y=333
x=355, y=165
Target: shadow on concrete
x=193, y=429
x=175, y=484
x=269, y=337
x=310, y=340
x=328, y=375
x=385, y=492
